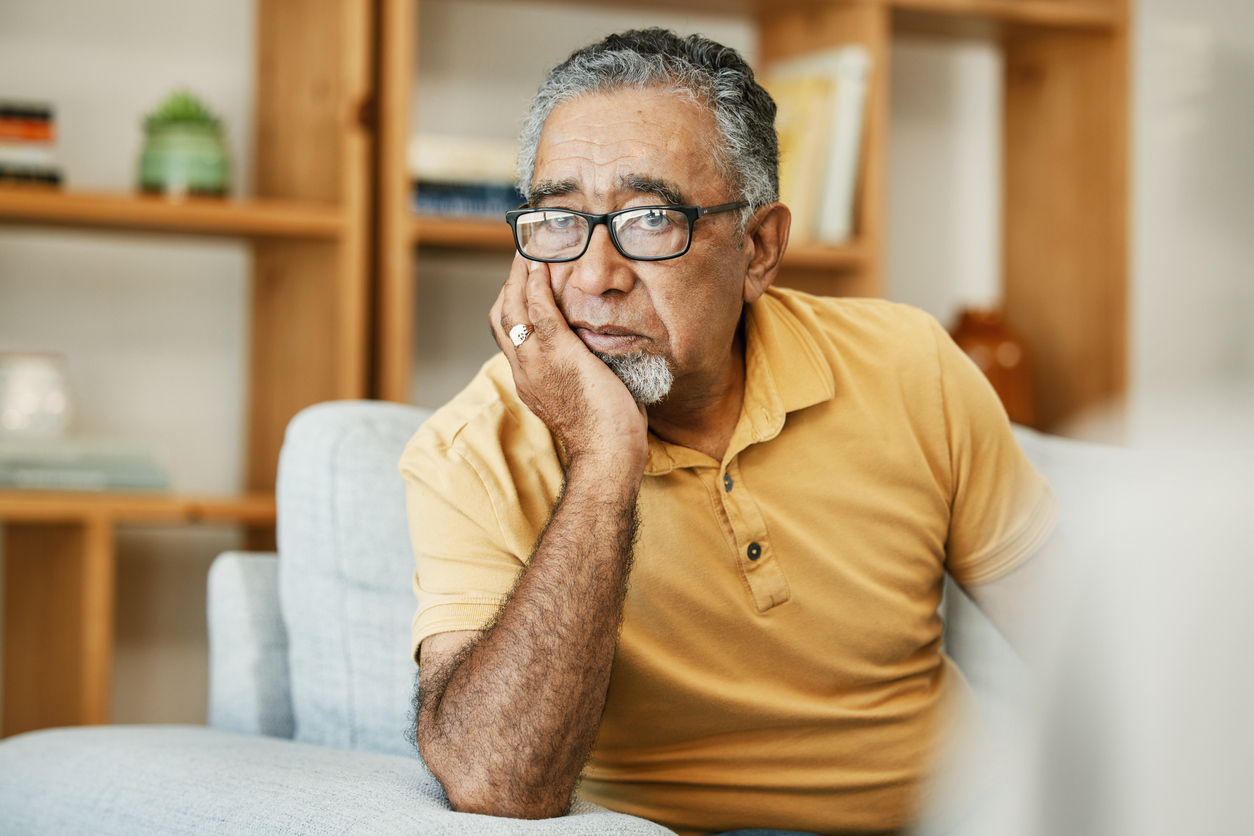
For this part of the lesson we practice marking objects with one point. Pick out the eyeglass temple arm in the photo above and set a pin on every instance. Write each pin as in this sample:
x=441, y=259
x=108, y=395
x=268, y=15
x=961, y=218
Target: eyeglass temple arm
x=722, y=207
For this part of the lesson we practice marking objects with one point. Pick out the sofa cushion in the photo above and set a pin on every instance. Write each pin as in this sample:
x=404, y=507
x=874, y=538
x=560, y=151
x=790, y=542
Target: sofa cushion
x=139, y=780
x=345, y=574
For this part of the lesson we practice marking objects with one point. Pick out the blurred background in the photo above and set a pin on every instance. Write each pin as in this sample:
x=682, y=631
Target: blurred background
x=161, y=321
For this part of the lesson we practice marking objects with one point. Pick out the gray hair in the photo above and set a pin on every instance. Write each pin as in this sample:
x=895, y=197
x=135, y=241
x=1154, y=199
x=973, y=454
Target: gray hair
x=715, y=75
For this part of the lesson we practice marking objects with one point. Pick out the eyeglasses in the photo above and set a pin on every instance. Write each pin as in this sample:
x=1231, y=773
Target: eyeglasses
x=641, y=233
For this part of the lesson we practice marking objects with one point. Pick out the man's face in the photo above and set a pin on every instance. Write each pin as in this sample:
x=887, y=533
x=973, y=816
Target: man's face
x=640, y=148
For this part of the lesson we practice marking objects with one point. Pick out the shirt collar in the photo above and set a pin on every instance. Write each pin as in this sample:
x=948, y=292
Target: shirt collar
x=784, y=371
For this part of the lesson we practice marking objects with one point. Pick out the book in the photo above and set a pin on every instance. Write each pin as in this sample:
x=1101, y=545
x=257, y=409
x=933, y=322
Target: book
x=802, y=123
x=26, y=174
x=77, y=464
x=28, y=144
x=461, y=159
x=24, y=122
x=847, y=71
x=483, y=200
x=465, y=176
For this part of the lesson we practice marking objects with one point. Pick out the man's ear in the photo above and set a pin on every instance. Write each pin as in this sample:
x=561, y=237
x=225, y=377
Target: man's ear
x=765, y=239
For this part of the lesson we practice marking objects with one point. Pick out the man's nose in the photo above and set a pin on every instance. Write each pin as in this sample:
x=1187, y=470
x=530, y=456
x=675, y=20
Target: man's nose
x=602, y=268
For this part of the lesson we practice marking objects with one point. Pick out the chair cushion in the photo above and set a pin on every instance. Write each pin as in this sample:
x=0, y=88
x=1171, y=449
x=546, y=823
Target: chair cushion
x=139, y=780
x=345, y=574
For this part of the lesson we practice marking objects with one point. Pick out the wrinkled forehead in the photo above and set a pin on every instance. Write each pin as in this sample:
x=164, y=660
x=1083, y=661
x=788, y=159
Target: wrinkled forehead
x=600, y=145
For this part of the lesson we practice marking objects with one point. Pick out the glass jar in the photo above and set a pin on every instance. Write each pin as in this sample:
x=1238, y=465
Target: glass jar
x=34, y=395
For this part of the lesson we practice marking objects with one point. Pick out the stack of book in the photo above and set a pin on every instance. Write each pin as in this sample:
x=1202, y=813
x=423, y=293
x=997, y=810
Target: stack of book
x=27, y=144
x=463, y=176
x=821, y=100
x=67, y=464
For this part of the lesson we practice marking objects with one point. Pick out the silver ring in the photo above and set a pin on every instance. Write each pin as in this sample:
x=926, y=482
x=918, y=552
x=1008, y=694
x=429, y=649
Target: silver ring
x=519, y=334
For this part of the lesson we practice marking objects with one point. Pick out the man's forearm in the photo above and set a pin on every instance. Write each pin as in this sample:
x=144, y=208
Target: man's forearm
x=508, y=726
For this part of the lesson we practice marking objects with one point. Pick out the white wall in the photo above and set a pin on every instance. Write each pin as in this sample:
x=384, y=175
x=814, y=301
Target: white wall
x=154, y=327
x=1192, y=300
x=1193, y=174
x=944, y=183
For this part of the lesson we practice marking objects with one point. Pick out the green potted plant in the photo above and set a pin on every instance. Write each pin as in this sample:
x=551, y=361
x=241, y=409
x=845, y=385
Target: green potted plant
x=184, y=152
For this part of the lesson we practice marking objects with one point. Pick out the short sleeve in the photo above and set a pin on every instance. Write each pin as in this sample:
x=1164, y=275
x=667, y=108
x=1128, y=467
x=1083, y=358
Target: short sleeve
x=1002, y=509
x=463, y=569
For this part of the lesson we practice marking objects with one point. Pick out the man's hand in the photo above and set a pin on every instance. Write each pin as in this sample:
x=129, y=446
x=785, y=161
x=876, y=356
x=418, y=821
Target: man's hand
x=508, y=716
x=572, y=391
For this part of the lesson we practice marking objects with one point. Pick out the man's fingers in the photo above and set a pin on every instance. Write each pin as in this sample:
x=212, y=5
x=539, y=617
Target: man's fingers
x=510, y=306
x=494, y=315
x=514, y=296
x=546, y=318
x=494, y=323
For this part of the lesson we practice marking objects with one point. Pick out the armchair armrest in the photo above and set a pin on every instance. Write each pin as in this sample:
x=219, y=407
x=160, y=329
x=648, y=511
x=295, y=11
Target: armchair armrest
x=249, y=685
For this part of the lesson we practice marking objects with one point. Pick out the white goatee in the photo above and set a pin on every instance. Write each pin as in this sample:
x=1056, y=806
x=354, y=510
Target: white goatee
x=647, y=377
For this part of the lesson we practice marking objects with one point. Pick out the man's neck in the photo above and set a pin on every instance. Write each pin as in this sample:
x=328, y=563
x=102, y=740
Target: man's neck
x=702, y=414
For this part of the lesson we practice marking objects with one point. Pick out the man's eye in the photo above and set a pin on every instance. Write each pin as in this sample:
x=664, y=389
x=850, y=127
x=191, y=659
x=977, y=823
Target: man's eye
x=556, y=221
x=654, y=221
x=648, y=220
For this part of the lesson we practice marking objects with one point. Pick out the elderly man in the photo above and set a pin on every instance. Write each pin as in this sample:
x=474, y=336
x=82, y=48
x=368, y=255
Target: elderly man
x=684, y=539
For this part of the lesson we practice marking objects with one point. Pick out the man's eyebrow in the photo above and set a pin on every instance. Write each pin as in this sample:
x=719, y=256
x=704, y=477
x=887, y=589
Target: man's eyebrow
x=639, y=183
x=551, y=188
x=668, y=192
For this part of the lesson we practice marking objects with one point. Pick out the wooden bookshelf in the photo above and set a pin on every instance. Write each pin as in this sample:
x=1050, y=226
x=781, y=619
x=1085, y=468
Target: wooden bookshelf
x=1065, y=161
x=60, y=571
x=309, y=223
x=309, y=228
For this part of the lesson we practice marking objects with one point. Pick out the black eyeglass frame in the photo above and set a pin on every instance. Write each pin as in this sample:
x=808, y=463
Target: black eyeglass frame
x=692, y=213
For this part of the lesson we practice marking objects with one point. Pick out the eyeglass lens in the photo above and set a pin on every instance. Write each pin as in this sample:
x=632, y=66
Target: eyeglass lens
x=643, y=233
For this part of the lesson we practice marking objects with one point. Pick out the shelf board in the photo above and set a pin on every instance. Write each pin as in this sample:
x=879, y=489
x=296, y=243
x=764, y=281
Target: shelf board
x=1060, y=14
x=462, y=233
x=117, y=506
x=1070, y=14
x=711, y=8
x=815, y=256
x=253, y=218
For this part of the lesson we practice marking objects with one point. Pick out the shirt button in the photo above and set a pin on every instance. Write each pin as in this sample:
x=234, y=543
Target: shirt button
x=755, y=551
x=727, y=482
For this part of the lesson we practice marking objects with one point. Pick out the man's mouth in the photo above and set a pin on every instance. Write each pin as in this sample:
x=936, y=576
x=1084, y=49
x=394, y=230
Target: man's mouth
x=608, y=338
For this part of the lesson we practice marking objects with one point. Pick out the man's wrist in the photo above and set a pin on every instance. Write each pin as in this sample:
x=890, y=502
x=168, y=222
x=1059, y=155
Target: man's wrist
x=605, y=469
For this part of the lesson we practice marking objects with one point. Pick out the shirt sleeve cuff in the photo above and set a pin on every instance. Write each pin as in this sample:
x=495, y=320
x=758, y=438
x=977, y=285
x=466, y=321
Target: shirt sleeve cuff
x=451, y=617
x=1003, y=558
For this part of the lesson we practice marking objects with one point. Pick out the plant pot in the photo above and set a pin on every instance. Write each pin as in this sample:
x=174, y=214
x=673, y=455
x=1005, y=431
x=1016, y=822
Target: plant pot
x=184, y=159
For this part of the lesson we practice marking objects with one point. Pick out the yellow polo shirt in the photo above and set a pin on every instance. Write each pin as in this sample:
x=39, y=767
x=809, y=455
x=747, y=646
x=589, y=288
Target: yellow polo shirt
x=779, y=663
